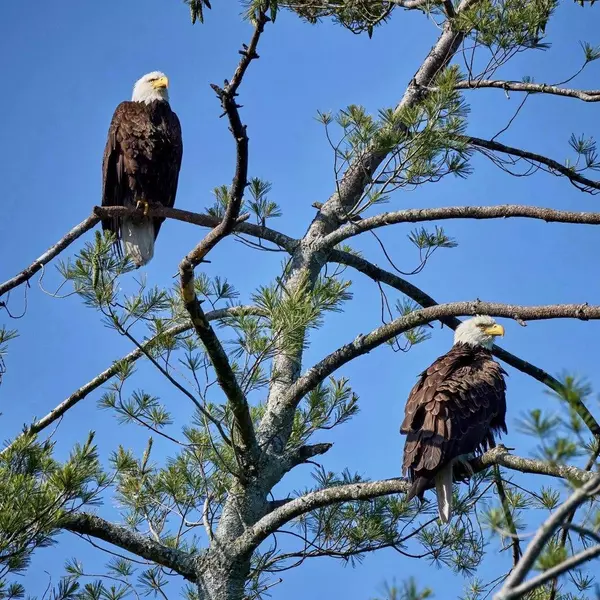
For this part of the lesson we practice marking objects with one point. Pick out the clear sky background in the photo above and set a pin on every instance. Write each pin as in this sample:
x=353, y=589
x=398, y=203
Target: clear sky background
x=66, y=65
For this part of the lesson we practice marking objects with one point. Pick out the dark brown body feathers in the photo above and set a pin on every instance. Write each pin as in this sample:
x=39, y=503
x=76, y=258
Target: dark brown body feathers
x=142, y=158
x=455, y=408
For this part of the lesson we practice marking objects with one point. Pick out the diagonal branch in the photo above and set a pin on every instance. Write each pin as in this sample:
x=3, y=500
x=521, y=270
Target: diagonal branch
x=365, y=343
x=419, y=296
x=368, y=490
x=513, y=586
x=572, y=175
x=243, y=426
x=532, y=88
x=104, y=212
x=417, y=215
x=27, y=273
x=132, y=541
x=60, y=410
x=307, y=261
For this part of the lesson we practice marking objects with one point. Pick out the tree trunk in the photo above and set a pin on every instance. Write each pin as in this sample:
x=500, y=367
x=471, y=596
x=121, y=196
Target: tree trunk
x=222, y=577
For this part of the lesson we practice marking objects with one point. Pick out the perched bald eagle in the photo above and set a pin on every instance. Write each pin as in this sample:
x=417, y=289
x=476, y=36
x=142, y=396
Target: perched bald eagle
x=454, y=410
x=141, y=164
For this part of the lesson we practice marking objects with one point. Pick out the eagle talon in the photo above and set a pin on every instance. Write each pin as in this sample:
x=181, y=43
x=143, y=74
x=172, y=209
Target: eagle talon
x=466, y=468
x=145, y=204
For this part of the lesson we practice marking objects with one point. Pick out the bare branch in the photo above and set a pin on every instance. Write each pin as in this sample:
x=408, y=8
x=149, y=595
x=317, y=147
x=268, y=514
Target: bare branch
x=419, y=296
x=369, y=490
x=417, y=215
x=243, y=425
x=365, y=343
x=57, y=412
x=413, y=4
x=513, y=586
x=87, y=524
x=573, y=176
x=105, y=212
x=533, y=88
x=27, y=273
x=304, y=453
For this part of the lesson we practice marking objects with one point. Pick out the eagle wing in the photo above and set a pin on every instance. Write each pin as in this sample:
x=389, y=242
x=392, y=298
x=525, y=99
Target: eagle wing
x=116, y=187
x=452, y=410
x=142, y=158
x=171, y=157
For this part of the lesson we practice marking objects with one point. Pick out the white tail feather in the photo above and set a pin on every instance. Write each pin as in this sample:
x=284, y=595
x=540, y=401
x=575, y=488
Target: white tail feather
x=443, y=488
x=138, y=240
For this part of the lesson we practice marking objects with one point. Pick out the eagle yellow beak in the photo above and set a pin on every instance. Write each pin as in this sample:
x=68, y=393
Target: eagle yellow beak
x=494, y=330
x=161, y=82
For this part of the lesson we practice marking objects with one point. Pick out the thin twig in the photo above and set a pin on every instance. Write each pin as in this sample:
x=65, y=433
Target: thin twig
x=243, y=426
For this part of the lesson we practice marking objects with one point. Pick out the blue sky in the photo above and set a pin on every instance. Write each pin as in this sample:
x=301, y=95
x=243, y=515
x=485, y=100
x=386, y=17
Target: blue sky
x=66, y=67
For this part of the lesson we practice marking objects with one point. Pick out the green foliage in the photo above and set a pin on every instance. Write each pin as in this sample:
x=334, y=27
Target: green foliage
x=358, y=16
x=507, y=25
x=408, y=590
x=590, y=52
x=292, y=313
x=554, y=553
x=5, y=336
x=197, y=9
x=324, y=407
x=35, y=492
x=423, y=141
x=260, y=205
x=413, y=336
x=95, y=270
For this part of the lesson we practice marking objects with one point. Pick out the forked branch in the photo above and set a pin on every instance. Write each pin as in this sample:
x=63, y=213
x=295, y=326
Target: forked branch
x=425, y=300
x=243, y=429
x=132, y=541
x=365, y=343
x=61, y=409
x=368, y=490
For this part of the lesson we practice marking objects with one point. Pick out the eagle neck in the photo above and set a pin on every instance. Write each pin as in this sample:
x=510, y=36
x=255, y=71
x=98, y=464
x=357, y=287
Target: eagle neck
x=471, y=349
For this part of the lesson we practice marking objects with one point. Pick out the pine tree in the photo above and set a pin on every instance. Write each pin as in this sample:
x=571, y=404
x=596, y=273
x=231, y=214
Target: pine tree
x=207, y=513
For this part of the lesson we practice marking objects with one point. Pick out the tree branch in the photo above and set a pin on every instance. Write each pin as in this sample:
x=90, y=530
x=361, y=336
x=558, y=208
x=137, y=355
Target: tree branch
x=573, y=176
x=373, y=489
x=417, y=215
x=511, y=587
x=532, y=88
x=419, y=296
x=27, y=273
x=132, y=541
x=57, y=412
x=365, y=343
x=105, y=212
x=243, y=426
x=412, y=4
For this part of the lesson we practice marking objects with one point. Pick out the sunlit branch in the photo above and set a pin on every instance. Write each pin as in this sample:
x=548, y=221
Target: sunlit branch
x=132, y=541
x=243, y=427
x=381, y=275
x=105, y=212
x=418, y=215
x=532, y=88
x=53, y=251
x=58, y=412
x=365, y=343
x=368, y=490
x=513, y=586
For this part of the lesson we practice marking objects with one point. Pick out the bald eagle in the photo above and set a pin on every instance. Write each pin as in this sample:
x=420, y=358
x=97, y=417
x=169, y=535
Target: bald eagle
x=454, y=409
x=141, y=164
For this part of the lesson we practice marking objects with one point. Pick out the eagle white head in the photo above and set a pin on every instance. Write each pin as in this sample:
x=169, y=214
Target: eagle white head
x=152, y=86
x=478, y=331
